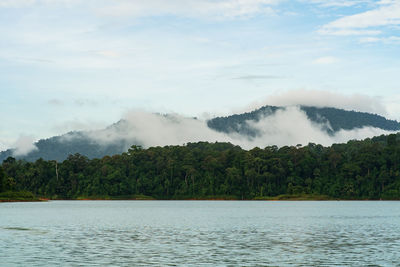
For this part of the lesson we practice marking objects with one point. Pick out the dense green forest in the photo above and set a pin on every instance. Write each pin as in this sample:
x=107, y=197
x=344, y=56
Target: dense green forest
x=342, y=119
x=368, y=169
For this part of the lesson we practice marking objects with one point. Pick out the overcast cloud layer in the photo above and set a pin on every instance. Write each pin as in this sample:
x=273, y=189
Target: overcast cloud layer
x=67, y=63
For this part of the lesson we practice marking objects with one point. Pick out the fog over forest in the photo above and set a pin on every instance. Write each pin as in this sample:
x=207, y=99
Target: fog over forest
x=287, y=126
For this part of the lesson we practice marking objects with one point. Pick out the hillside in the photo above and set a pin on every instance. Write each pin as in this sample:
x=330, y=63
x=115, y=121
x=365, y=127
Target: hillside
x=59, y=147
x=88, y=144
x=334, y=119
x=368, y=169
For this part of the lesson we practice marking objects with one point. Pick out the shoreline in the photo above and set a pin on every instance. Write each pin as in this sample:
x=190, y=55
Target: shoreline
x=23, y=200
x=29, y=197
x=197, y=199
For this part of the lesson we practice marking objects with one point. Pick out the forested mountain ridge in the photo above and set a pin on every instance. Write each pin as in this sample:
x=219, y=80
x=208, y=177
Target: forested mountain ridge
x=368, y=169
x=334, y=119
x=347, y=120
x=59, y=147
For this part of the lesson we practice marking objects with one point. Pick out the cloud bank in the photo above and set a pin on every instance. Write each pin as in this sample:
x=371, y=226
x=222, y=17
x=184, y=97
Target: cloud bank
x=149, y=129
x=24, y=145
x=137, y=8
x=189, y=8
x=289, y=126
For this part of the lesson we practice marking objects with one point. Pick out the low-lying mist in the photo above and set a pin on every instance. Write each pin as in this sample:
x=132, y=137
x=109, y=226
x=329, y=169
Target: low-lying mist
x=24, y=145
x=289, y=126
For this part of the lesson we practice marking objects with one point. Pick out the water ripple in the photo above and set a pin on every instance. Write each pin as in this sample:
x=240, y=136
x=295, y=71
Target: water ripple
x=187, y=233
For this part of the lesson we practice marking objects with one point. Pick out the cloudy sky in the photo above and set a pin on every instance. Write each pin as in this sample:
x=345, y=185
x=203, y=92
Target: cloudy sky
x=81, y=64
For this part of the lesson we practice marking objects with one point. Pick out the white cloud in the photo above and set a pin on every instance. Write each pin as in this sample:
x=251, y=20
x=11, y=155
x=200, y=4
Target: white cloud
x=393, y=39
x=325, y=60
x=24, y=145
x=386, y=14
x=343, y=136
x=338, y=3
x=189, y=8
x=370, y=39
x=138, y=8
x=150, y=129
x=347, y=32
x=393, y=107
x=16, y=3
x=289, y=126
x=386, y=40
x=29, y=3
x=3, y=145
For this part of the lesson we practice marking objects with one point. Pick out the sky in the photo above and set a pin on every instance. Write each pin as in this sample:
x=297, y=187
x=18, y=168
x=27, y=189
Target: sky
x=81, y=64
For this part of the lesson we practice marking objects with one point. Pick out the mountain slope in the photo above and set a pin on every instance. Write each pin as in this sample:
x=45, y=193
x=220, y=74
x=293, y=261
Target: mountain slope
x=119, y=136
x=59, y=147
x=332, y=119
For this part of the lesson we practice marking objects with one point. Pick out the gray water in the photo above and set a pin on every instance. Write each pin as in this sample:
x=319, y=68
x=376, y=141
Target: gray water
x=200, y=233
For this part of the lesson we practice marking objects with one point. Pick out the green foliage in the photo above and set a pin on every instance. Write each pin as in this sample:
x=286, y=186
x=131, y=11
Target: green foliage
x=2, y=179
x=237, y=123
x=122, y=197
x=368, y=169
x=17, y=196
x=296, y=197
x=341, y=119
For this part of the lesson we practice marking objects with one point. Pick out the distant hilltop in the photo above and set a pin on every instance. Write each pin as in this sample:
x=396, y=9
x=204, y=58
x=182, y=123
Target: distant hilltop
x=264, y=126
x=331, y=119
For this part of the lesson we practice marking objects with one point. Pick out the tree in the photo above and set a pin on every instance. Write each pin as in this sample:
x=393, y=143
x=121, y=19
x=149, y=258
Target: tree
x=392, y=140
x=2, y=178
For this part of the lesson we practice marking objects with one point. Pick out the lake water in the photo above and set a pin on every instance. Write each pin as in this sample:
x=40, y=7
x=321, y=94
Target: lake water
x=200, y=233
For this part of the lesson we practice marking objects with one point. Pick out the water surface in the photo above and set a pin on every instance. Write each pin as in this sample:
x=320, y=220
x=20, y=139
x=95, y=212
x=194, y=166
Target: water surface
x=200, y=233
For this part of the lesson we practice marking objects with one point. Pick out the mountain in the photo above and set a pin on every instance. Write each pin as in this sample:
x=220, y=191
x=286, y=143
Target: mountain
x=82, y=142
x=332, y=119
x=59, y=147
x=118, y=137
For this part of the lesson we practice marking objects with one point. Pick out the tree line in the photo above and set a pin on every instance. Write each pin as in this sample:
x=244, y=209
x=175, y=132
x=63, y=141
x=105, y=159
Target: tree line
x=368, y=169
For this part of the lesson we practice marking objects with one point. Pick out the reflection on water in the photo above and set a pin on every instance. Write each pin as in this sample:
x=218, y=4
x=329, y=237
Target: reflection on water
x=200, y=233
x=17, y=228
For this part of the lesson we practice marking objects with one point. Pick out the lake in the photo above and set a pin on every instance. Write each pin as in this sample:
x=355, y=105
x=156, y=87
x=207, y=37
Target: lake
x=200, y=233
